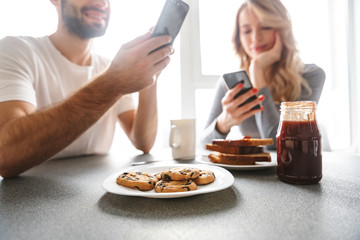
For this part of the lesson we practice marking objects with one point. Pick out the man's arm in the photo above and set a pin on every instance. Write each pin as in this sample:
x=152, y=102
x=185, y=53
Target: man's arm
x=141, y=125
x=28, y=138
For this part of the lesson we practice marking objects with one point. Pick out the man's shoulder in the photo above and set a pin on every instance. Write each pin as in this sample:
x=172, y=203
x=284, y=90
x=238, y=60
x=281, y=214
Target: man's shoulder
x=25, y=40
x=21, y=43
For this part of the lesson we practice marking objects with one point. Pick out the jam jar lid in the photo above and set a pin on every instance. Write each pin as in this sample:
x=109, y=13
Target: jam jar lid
x=298, y=110
x=298, y=105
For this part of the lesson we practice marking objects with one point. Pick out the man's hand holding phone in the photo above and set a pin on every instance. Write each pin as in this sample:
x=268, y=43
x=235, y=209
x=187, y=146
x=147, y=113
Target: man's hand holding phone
x=171, y=19
x=133, y=68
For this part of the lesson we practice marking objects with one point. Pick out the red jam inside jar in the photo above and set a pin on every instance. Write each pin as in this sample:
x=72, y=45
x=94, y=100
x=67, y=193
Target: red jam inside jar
x=298, y=143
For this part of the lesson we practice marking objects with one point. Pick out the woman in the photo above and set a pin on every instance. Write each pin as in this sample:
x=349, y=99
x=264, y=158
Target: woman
x=264, y=42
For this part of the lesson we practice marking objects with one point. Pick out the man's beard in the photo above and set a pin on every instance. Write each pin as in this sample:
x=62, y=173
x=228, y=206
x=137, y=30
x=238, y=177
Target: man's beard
x=76, y=24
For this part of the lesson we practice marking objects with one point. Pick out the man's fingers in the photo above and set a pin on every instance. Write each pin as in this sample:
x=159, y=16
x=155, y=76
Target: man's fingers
x=137, y=40
x=160, y=54
x=158, y=67
x=151, y=29
x=155, y=43
x=138, y=56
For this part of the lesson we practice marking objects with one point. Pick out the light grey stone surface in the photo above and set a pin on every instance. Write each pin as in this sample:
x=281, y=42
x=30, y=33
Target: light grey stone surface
x=64, y=199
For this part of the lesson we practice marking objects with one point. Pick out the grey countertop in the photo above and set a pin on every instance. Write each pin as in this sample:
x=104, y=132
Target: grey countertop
x=64, y=199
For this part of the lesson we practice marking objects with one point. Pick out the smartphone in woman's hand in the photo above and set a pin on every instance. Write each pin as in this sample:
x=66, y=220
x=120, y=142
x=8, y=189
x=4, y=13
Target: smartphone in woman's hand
x=234, y=78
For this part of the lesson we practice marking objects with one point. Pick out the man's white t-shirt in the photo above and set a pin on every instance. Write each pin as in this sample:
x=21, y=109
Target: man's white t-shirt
x=34, y=71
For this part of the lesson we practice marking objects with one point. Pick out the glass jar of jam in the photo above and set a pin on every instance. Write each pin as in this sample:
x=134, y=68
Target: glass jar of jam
x=298, y=143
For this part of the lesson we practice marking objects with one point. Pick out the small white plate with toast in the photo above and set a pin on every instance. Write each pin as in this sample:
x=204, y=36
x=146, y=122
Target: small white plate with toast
x=258, y=165
x=223, y=180
x=239, y=154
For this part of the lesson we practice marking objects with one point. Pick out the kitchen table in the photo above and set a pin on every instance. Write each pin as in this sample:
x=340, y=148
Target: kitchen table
x=64, y=199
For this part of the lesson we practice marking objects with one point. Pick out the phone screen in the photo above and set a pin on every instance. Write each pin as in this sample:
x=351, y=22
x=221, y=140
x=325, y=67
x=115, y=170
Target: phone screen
x=171, y=19
x=233, y=79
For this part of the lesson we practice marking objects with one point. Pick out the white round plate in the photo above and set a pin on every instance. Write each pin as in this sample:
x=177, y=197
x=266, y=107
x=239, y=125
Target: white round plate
x=259, y=165
x=223, y=180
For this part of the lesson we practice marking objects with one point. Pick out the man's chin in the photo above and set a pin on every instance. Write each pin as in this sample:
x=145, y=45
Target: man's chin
x=91, y=33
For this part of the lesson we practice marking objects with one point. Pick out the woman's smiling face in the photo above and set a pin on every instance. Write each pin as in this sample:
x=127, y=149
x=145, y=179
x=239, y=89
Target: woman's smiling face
x=255, y=36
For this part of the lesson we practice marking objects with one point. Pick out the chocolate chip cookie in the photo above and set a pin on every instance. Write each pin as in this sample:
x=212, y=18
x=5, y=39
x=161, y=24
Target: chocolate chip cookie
x=179, y=174
x=137, y=180
x=164, y=186
x=206, y=177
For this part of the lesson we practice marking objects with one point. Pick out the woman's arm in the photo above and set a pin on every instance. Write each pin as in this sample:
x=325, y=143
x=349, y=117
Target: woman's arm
x=209, y=133
x=226, y=111
x=267, y=121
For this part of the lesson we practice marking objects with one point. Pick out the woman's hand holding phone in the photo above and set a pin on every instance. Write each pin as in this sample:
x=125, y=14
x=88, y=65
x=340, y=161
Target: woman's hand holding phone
x=233, y=114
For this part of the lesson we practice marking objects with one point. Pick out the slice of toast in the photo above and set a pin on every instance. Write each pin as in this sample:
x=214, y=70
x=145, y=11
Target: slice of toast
x=235, y=150
x=243, y=142
x=237, y=159
x=217, y=159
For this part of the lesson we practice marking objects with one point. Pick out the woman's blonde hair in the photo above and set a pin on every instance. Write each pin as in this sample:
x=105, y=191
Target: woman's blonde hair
x=285, y=80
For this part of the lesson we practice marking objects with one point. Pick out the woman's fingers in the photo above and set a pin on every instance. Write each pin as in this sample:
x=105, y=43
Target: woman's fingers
x=230, y=96
x=248, y=114
x=248, y=107
x=277, y=49
x=278, y=41
x=241, y=99
x=236, y=108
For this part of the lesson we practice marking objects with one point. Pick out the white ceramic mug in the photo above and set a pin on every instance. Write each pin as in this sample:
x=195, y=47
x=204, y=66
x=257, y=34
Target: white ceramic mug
x=182, y=139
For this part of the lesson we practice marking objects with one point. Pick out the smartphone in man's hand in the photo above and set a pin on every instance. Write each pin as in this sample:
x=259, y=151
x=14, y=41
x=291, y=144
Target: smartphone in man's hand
x=234, y=78
x=171, y=19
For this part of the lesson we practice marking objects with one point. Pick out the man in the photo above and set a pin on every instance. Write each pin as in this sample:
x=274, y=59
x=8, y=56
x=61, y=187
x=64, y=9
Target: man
x=57, y=99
